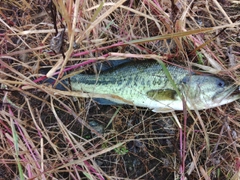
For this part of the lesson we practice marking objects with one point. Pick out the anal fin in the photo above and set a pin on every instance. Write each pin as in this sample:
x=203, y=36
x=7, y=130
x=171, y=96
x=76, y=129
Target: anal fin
x=105, y=102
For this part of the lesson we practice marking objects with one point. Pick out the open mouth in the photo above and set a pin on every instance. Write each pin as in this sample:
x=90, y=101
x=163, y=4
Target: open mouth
x=230, y=91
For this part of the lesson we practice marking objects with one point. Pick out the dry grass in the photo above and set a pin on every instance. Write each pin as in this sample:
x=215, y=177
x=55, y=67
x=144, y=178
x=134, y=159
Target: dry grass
x=50, y=134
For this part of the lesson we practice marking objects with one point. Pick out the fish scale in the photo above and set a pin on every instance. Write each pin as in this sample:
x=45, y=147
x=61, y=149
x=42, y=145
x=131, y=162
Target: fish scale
x=145, y=84
x=129, y=75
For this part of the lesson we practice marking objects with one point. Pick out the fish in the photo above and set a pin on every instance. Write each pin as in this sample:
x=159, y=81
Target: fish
x=145, y=84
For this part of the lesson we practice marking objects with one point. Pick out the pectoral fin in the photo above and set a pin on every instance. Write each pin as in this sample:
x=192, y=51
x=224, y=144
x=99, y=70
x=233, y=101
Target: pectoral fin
x=162, y=94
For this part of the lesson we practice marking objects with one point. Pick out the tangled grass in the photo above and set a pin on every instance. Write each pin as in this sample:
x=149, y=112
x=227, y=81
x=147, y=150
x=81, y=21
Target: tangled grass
x=52, y=134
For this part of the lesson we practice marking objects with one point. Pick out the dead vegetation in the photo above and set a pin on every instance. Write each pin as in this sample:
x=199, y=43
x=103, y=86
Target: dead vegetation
x=50, y=134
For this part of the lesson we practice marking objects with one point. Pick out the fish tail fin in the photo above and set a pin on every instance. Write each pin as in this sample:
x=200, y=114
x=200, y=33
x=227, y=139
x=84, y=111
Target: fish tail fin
x=61, y=85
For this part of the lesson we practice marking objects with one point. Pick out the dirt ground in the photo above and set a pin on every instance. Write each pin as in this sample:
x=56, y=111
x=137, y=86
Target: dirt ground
x=46, y=133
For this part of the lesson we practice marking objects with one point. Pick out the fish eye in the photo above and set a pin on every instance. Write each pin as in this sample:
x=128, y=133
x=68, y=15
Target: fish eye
x=186, y=80
x=221, y=83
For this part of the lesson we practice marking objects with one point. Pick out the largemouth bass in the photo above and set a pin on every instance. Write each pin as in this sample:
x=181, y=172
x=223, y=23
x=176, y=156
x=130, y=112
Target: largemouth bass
x=145, y=84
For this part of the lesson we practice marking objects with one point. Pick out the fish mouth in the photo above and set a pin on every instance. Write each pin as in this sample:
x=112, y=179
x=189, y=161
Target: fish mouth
x=229, y=92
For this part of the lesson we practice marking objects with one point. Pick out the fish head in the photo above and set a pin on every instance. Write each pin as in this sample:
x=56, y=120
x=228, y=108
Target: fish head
x=204, y=91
